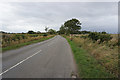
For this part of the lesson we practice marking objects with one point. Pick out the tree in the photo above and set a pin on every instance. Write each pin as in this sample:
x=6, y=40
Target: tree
x=62, y=30
x=72, y=26
x=46, y=29
x=84, y=32
x=31, y=32
x=104, y=32
x=38, y=32
x=51, y=31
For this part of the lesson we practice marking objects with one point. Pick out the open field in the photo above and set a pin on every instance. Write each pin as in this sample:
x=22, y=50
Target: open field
x=12, y=41
x=95, y=59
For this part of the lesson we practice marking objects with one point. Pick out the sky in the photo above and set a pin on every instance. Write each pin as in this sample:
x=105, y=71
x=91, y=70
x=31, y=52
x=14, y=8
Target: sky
x=20, y=17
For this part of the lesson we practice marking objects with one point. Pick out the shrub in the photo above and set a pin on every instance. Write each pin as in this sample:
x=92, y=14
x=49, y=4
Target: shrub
x=44, y=34
x=99, y=36
x=94, y=36
x=118, y=43
x=105, y=37
x=17, y=37
x=104, y=32
x=31, y=32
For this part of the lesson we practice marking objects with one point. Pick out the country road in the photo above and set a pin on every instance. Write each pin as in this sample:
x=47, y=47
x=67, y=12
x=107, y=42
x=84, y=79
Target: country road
x=48, y=59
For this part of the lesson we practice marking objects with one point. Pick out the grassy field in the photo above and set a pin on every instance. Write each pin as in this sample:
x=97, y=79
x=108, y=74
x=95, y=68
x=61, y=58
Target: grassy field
x=95, y=60
x=13, y=41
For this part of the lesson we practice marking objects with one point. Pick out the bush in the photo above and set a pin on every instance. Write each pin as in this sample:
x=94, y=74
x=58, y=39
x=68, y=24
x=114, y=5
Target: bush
x=17, y=37
x=104, y=32
x=94, y=36
x=105, y=37
x=44, y=34
x=99, y=36
x=31, y=32
x=118, y=42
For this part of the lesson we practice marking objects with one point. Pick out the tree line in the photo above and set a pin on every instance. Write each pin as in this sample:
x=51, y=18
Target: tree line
x=73, y=26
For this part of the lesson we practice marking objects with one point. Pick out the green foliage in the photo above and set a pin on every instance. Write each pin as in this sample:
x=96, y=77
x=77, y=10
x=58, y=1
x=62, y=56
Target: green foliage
x=51, y=31
x=99, y=36
x=45, y=35
x=118, y=43
x=62, y=30
x=105, y=37
x=94, y=36
x=70, y=27
x=46, y=29
x=18, y=37
x=31, y=32
x=104, y=32
x=84, y=32
x=38, y=32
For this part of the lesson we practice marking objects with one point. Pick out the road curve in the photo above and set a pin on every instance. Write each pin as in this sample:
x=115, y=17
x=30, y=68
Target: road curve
x=48, y=59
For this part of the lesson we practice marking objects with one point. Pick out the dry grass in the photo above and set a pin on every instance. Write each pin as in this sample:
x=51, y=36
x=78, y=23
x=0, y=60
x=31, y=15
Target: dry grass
x=12, y=39
x=105, y=53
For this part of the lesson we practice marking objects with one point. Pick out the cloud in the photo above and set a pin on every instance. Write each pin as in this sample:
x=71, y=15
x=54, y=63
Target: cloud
x=59, y=0
x=24, y=16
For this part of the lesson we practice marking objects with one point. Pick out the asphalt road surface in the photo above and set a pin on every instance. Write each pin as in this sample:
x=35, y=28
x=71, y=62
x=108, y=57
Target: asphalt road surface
x=48, y=59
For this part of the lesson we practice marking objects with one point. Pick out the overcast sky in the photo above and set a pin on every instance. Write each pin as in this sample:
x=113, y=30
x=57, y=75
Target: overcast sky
x=24, y=16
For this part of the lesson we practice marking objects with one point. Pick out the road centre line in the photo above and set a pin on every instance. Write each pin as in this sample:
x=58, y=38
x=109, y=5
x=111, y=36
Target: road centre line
x=19, y=63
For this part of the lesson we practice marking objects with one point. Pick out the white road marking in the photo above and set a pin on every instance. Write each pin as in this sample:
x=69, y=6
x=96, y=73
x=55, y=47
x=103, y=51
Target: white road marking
x=19, y=63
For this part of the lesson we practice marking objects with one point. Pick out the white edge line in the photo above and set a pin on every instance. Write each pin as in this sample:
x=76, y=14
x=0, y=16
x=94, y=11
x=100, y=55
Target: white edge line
x=19, y=63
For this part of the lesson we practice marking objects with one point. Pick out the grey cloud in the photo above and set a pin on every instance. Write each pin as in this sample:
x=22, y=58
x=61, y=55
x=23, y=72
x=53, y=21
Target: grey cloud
x=53, y=14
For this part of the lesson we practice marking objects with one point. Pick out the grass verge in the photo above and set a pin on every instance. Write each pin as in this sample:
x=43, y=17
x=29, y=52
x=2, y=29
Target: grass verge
x=24, y=44
x=88, y=67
